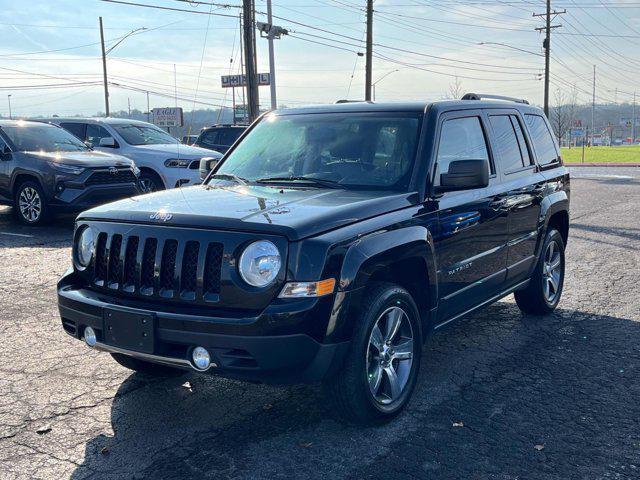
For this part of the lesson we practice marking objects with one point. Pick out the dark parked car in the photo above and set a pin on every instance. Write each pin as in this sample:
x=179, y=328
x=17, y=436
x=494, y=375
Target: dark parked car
x=327, y=246
x=44, y=168
x=219, y=137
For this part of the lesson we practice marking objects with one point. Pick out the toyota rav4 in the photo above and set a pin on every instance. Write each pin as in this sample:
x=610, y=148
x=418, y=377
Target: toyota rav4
x=326, y=246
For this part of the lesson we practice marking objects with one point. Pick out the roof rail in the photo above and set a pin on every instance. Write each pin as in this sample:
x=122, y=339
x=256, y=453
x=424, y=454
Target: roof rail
x=480, y=96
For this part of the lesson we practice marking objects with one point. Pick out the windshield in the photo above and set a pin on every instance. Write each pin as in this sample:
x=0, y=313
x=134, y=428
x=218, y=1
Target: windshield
x=354, y=150
x=34, y=137
x=135, y=134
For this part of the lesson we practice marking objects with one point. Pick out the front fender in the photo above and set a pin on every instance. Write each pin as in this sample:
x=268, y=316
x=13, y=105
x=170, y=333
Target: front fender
x=379, y=251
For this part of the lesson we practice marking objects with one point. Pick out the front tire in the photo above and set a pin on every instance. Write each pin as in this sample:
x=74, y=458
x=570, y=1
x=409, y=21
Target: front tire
x=148, y=368
x=149, y=182
x=30, y=204
x=381, y=368
x=543, y=293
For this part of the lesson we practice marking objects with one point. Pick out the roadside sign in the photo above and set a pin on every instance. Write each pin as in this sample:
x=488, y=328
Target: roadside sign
x=626, y=122
x=577, y=132
x=167, y=117
x=232, y=81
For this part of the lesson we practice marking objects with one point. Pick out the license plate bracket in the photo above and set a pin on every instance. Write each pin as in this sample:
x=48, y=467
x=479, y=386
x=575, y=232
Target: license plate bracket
x=127, y=330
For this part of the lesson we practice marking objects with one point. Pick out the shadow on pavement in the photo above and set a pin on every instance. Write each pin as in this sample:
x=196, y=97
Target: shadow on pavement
x=552, y=397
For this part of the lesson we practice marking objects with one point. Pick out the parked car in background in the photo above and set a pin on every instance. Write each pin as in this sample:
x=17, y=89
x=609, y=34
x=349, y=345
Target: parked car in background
x=189, y=139
x=164, y=162
x=43, y=169
x=219, y=137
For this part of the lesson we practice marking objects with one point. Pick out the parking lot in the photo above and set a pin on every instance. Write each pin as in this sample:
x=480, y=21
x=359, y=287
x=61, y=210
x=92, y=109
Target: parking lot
x=500, y=395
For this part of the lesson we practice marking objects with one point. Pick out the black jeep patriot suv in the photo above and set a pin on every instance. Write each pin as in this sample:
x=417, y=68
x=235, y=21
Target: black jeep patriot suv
x=327, y=245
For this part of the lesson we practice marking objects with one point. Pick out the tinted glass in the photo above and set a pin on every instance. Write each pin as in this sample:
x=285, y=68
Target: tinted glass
x=229, y=135
x=508, y=148
x=344, y=148
x=208, y=138
x=524, y=149
x=543, y=142
x=140, y=134
x=461, y=139
x=95, y=133
x=35, y=137
x=77, y=129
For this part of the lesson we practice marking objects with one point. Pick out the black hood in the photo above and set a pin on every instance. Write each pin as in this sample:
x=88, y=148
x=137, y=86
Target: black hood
x=295, y=213
x=87, y=159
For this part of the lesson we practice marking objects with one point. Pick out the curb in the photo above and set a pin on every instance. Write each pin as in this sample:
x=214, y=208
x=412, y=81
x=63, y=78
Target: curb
x=586, y=164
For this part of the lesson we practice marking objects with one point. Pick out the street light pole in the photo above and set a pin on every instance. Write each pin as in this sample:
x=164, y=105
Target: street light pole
x=380, y=79
x=104, y=71
x=9, y=100
x=104, y=61
x=272, y=67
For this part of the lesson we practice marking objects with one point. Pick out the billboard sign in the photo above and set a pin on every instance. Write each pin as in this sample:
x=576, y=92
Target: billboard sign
x=167, y=117
x=626, y=122
x=232, y=81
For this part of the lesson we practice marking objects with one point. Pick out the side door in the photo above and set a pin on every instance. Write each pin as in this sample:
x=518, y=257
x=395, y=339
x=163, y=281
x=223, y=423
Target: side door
x=523, y=187
x=7, y=164
x=472, y=224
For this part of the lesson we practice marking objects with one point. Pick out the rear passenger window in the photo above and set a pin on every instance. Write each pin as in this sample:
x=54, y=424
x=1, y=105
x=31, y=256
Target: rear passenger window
x=76, y=128
x=461, y=139
x=511, y=155
x=524, y=148
x=543, y=142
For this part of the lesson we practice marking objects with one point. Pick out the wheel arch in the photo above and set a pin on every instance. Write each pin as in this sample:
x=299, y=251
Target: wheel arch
x=404, y=257
x=154, y=172
x=20, y=177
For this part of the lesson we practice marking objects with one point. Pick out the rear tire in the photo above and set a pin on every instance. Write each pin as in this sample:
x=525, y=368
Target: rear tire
x=543, y=293
x=381, y=368
x=30, y=204
x=148, y=368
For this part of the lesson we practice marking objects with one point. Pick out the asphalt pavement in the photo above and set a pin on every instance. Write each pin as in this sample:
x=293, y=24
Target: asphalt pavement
x=500, y=395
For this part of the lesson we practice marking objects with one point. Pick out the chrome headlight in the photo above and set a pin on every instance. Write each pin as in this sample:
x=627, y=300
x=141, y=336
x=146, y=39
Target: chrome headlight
x=177, y=163
x=85, y=247
x=260, y=263
x=63, y=168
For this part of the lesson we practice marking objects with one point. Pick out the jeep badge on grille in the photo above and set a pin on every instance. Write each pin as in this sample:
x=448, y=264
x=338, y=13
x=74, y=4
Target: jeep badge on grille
x=161, y=216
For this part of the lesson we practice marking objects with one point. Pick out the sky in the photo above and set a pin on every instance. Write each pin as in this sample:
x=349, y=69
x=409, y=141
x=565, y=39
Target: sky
x=423, y=50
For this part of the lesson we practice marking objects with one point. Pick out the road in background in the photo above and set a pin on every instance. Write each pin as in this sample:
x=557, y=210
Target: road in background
x=500, y=395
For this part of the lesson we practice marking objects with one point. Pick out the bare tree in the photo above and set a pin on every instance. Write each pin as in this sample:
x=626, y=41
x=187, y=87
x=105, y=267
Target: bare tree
x=560, y=115
x=455, y=89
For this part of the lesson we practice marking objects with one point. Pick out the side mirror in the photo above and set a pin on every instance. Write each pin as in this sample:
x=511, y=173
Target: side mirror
x=88, y=144
x=108, y=142
x=206, y=165
x=5, y=153
x=465, y=175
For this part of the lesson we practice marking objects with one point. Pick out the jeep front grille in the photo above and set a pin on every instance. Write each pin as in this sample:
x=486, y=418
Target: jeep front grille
x=158, y=267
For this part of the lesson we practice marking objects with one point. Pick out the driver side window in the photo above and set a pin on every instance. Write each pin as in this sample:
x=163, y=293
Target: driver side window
x=460, y=139
x=95, y=133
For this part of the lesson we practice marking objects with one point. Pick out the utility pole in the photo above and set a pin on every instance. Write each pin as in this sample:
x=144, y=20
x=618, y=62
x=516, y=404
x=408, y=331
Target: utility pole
x=148, y=111
x=272, y=61
x=593, y=106
x=546, y=44
x=369, y=55
x=9, y=100
x=104, y=71
x=633, y=119
x=248, y=30
x=129, y=106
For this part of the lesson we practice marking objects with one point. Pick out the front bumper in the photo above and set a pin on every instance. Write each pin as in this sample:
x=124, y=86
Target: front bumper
x=73, y=199
x=276, y=359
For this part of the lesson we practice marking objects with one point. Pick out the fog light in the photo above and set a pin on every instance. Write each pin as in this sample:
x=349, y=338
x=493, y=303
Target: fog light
x=201, y=358
x=90, y=336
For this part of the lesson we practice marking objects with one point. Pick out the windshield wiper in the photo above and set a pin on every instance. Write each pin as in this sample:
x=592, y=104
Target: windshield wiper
x=230, y=176
x=318, y=181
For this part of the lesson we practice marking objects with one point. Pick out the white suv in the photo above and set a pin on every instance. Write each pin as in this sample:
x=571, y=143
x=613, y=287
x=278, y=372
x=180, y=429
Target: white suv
x=163, y=161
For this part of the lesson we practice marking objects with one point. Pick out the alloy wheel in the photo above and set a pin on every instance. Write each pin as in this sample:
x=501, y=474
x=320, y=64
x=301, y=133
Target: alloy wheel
x=30, y=204
x=552, y=271
x=390, y=355
x=147, y=185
